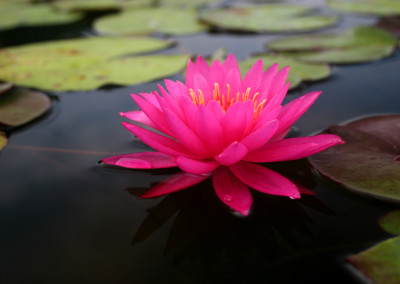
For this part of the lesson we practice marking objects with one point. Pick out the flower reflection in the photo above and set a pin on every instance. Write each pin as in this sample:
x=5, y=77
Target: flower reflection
x=201, y=230
x=222, y=125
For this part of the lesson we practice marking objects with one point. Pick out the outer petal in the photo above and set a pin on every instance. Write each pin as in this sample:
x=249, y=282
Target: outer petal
x=258, y=138
x=254, y=77
x=232, y=154
x=294, y=109
x=264, y=180
x=232, y=191
x=143, y=160
x=279, y=81
x=174, y=183
x=293, y=148
x=196, y=167
x=139, y=116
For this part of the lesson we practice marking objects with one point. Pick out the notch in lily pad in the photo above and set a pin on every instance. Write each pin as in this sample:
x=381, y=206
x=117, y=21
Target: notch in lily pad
x=356, y=45
x=267, y=18
x=369, y=161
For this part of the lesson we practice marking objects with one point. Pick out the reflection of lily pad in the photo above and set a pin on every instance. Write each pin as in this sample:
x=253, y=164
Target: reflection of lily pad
x=98, y=5
x=147, y=21
x=267, y=18
x=368, y=163
x=372, y=7
x=20, y=106
x=12, y=15
x=380, y=263
x=3, y=140
x=359, y=44
x=299, y=71
x=391, y=222
x=84, y=64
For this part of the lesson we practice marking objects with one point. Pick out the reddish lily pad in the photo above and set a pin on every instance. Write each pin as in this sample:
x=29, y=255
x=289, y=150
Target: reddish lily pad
x=380, y=263
x=391, y=222
x=390, y=24
x=3, y=140
x=368, y=163
x=19, y=106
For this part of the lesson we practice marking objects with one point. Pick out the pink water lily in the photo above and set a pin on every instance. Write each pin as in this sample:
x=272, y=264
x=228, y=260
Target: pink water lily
x=222, y=125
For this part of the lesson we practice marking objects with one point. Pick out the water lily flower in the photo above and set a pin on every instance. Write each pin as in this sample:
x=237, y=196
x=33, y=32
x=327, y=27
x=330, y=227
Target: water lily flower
x=222, y=125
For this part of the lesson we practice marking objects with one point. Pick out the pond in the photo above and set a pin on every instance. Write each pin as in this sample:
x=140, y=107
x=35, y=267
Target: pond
x=66, y=218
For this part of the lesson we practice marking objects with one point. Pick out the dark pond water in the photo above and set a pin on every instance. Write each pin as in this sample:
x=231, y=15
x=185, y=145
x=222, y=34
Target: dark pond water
x=65, y=219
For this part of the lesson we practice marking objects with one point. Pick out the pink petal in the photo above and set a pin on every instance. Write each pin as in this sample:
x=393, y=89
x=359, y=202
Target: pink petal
x=279, y=81
x=201, y=83
x=196, y=167
x=139, y=116
x=217, y=74
x=232, y=191
x=237, y=121
x=258, y=138
x=294, y=109
x=234, y=79
x=230, y=63
x=266, y=115
x=232, y=154
x=254, y=77
x=209, y=129
x=267, y=80
x=169, y=102
x=157, y=141
x=216, y=109
x=264, y=180
x=293, y=148
x=144, y=160
x=186, y=136
x=174, y=183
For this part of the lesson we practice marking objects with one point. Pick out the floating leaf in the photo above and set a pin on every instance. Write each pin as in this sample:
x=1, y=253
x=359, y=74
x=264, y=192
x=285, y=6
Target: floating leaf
x=380, y=263
x=390, y=24
x=391, y=222
x=4, y=87
x=185, y=3
x=267, y=18
x=359, y=44
x=84, y=64
x=12, y=15
x=99, y=5
x=369, y=162
x=147, y=21
x=3, y=140
x=19, y=106
x=372, y=7
x=299, y=71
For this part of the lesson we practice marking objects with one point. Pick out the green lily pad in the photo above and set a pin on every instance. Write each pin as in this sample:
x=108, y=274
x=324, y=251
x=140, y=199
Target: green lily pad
x=185, y=3
x=16, y=14
x=358, y=44
x=299, y=71
x=371, y=7
x=146, y=21
x=84, y=64
x=380, y=263
x=99, y=5
x=390, y=222
x=369, y=161
x=267, y=18
x=19, y=106
x=3, y=140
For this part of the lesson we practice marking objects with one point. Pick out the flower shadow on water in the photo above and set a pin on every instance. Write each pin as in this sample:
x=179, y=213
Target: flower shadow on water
x=204, y=229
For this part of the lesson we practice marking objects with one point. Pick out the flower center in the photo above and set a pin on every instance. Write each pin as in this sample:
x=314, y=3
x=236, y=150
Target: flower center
x=227, y=100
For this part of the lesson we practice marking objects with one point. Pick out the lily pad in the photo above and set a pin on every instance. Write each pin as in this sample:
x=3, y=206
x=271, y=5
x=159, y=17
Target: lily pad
x=369, y=161
x=371, y=7
x=391, y=222
x=19, y=106
x=146, y=21
x=3, y=140
x=100, y=5
x=390, y=24
x=12, y=15
x=267, y=18
x=84, y=64
x=359, y=44
x=380, y=263
x=185, y=3
x=299, y=71
x=4, y=87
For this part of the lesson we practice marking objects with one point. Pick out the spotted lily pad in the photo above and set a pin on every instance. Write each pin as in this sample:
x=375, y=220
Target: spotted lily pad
x=16, y=14
x=369, y=161
x=391, y=222
x=150, y=20
x=84, y=64
x=299, y=71
x=99, y=5
x=359, y=44
x=372, y=7
x=267, y=18
x=380, y=263
x=19, y=106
